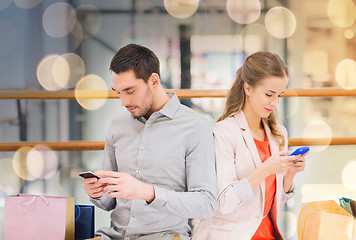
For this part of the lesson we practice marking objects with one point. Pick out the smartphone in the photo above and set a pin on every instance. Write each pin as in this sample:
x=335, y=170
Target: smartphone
x=301, y=150
x=88, y=174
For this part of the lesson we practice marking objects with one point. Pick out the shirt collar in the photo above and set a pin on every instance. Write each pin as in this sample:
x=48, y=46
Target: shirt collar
x=168, y=110
x=171, y=106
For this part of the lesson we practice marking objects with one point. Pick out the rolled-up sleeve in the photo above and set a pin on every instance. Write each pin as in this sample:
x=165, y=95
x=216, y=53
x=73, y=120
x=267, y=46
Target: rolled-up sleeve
x=243, y=190
x=104, y=202
x=288, y=195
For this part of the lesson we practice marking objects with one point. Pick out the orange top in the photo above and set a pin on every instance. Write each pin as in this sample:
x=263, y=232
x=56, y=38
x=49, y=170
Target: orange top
x=266, y=230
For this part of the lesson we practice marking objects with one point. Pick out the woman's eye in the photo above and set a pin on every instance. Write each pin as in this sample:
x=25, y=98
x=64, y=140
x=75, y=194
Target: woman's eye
x=268, y=95
x=131, y=92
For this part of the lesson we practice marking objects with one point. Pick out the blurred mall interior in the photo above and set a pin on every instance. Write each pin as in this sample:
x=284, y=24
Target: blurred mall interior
x=52, y=45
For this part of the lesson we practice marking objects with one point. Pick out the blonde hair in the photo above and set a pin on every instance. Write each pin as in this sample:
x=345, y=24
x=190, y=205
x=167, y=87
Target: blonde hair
x=254, y=69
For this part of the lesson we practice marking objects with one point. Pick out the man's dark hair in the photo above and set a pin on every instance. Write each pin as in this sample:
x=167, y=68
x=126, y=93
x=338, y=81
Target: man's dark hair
x=134, y=57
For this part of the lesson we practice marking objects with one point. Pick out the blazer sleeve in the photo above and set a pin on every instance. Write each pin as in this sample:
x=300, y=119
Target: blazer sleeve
x=232, y=191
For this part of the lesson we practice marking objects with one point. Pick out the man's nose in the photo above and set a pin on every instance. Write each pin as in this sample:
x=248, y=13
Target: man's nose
x=124, y=101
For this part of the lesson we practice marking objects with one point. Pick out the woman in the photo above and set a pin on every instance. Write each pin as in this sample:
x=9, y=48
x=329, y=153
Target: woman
x=254, y=172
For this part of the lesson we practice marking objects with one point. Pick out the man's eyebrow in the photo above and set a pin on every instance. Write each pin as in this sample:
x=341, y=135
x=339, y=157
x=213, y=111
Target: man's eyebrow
x=124, y=90
x=128, y=88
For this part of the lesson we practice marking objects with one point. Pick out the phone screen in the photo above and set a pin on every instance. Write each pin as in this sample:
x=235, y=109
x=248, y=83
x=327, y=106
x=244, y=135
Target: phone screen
x=88, y=174
x=301, y=150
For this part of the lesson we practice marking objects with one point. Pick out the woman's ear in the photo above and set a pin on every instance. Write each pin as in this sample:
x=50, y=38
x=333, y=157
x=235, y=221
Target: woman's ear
x=154, y=80
x=247, y=88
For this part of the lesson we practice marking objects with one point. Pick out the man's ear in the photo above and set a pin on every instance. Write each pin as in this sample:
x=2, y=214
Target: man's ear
x=247, y=88
x=154, y=80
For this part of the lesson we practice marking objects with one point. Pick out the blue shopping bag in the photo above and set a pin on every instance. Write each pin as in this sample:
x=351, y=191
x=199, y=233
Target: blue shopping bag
x=84, y=222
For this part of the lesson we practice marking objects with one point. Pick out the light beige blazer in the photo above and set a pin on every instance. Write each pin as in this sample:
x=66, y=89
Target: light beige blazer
x=240, y=210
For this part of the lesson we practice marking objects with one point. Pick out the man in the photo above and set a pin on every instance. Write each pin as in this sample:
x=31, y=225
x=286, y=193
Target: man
x=159, y=160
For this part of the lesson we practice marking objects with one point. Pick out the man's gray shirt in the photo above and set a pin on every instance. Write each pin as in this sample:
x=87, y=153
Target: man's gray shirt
x=174, y=151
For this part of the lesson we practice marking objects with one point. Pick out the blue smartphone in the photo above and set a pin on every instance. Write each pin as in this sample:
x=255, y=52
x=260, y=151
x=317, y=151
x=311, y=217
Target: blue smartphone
x=301, y=150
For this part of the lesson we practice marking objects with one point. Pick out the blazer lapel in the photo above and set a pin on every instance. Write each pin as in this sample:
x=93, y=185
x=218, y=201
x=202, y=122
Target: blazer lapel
x=247, y=136
x=250, y=143
x=275, y=148
x=272, y=141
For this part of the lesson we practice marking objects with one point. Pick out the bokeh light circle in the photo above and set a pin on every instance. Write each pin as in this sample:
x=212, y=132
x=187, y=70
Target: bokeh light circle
x=77, y=69
x=280, y=22
x=348, y=176
x=345, y=74
x=293, y=104
x=342, y=13
x=42, y=162
x=7, y=37
x=243, y=11
x=61, y=71
x=27, y=4
x=76, y=35
x=318, y=129
x=4, y=4
x=290, y=222
x=86, y=87
x=349, y=34
x=93, y=21
x=181, y=8
x=9, y=181
x=45, y=73
x=59, y=19
x=19, y=164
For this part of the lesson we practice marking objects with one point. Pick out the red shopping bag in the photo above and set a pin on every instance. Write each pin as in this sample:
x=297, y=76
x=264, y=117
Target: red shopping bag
x=39, y=217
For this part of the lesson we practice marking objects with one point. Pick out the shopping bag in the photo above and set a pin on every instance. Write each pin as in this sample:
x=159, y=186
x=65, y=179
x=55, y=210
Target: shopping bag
x=38, y=217
x=325, y=220
x=84, y=222
x=349, y=205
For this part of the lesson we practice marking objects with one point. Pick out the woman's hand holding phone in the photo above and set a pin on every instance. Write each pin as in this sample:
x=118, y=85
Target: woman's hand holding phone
x=299, y=163
x=300, y=151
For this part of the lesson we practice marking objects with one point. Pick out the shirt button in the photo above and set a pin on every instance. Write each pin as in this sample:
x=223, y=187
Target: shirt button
x=148, y=125
x=138, y=171
x=141, y=148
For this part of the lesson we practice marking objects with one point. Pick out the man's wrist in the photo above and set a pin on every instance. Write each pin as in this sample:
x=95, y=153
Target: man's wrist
x=149, y=193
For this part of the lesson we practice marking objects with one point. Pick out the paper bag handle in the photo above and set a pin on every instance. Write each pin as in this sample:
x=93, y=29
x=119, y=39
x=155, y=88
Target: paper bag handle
x=305, y=220
x=78, y=212
x=33, y=199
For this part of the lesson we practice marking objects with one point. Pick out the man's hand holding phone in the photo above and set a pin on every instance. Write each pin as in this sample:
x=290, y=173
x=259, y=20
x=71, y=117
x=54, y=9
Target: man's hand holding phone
x=92, y=186
x=89, y=174
x=123, y=185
